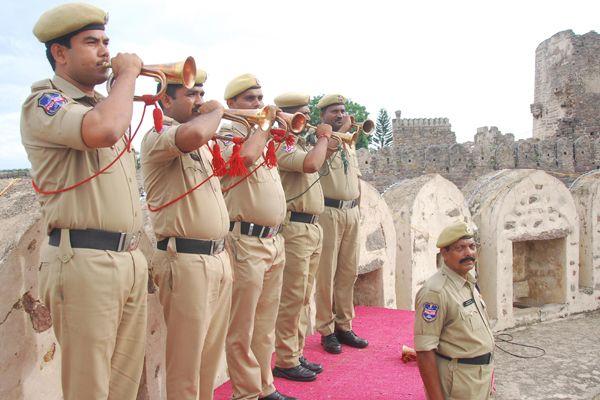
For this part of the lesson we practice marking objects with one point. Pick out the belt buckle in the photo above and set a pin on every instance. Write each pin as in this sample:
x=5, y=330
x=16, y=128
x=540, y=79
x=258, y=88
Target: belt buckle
x=314, y=219
x=129, y=241
x=217, y=247
x=270, y=232
x=346, y=203
x=273, y=230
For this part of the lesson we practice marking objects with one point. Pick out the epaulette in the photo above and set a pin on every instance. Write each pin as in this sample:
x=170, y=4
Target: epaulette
x=436, y=282
x=44, y=84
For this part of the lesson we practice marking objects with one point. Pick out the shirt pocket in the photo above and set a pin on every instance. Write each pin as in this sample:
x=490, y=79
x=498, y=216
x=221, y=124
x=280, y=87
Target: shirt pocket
x=105, y=156
x=192, y=167
x=472, y=318
x=260, y=174
x=336, y=162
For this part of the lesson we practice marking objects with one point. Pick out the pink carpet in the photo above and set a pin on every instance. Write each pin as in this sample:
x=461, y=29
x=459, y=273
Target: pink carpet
x=376, y=372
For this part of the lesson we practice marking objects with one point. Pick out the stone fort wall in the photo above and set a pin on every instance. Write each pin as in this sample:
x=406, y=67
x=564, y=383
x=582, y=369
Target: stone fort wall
x=566, y=127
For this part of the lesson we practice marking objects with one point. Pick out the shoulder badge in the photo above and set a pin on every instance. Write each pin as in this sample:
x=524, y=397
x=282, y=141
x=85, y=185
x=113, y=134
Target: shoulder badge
x=51, y=102
x=430, y=312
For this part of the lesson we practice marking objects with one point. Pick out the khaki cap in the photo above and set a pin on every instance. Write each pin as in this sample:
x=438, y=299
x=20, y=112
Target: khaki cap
x=452, y=233
x=292, y=99
x=240, y=84
x=68, y=18
x=200, y=78
x=330, y=100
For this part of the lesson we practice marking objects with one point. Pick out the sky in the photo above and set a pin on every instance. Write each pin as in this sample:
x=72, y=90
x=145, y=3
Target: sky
x=470, y=61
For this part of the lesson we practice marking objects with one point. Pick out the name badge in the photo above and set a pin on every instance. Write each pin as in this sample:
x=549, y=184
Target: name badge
x=468, y=302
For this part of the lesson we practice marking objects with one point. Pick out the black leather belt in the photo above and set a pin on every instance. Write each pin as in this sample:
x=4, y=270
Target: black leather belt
x=340, y=203
x=479, y=360
x=250, y=229
x=194, y=246
x=97, y=239
x=303, y=217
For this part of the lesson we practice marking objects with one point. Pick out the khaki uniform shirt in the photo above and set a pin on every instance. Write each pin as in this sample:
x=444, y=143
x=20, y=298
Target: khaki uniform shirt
x=259, y=198
x=303, y=191
x=338, y=184
x=51, y=120
x=168, y=173
x=451, y=317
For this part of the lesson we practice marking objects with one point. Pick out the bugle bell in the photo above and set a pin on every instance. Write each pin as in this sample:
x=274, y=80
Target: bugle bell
x=263, y=117
x=183, y=71
x=367, y=126
x=294, y=123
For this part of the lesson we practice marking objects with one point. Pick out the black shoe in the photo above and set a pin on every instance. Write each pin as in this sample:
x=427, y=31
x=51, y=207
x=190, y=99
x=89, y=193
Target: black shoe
x=350, y=338
x=314, y=367
x=331, y=344
x=297, y=373
x=277, y=396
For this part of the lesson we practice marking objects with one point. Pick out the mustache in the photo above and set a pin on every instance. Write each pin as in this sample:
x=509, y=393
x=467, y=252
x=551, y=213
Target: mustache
x=196, y=109
x=467, y=259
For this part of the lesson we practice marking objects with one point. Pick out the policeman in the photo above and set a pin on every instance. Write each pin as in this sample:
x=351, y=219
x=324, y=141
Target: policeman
x=190, y=264
x=453, y=338
x=298, y=167
x=92, y=276
x=256, y=206
x=338, y=265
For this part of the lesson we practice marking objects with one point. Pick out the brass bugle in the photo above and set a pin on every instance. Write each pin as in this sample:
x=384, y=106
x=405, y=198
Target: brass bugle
x=367, y=126
x=224, y=138
x=263, y=117
x=346, y=137
x=294, y=123
x=183, y=71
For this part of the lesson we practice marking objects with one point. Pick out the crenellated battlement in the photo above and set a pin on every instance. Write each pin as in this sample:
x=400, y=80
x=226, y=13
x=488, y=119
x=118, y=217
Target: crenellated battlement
x=566, y=127
x=422, y=122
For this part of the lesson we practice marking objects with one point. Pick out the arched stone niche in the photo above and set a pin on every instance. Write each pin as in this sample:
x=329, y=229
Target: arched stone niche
x=529, y=235
x=375, y=284
x=421, y=208
x=586, y=193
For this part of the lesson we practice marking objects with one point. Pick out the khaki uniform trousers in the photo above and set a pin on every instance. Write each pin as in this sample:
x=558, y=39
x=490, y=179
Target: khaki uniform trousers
x=464, y=381
x=257, y=274
x=337, y=270
x=97, y=299
x=195, y=292
x=302, y=252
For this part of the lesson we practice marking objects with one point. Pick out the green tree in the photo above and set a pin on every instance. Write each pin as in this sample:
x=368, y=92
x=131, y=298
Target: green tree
x=383, y=136
x=358, y=110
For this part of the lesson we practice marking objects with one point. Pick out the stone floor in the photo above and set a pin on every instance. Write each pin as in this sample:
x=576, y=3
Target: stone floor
x=570, y=369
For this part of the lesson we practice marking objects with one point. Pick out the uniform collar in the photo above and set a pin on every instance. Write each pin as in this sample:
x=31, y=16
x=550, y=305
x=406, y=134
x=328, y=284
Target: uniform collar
x=456, y=278
x=71, y=90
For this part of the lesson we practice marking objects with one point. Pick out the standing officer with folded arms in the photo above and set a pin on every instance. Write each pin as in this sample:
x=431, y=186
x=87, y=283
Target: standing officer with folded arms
x=191, y=267
x=92, y=276
x=338, y=266
x=453, y=338
x=256, y=210
x=298, y=167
